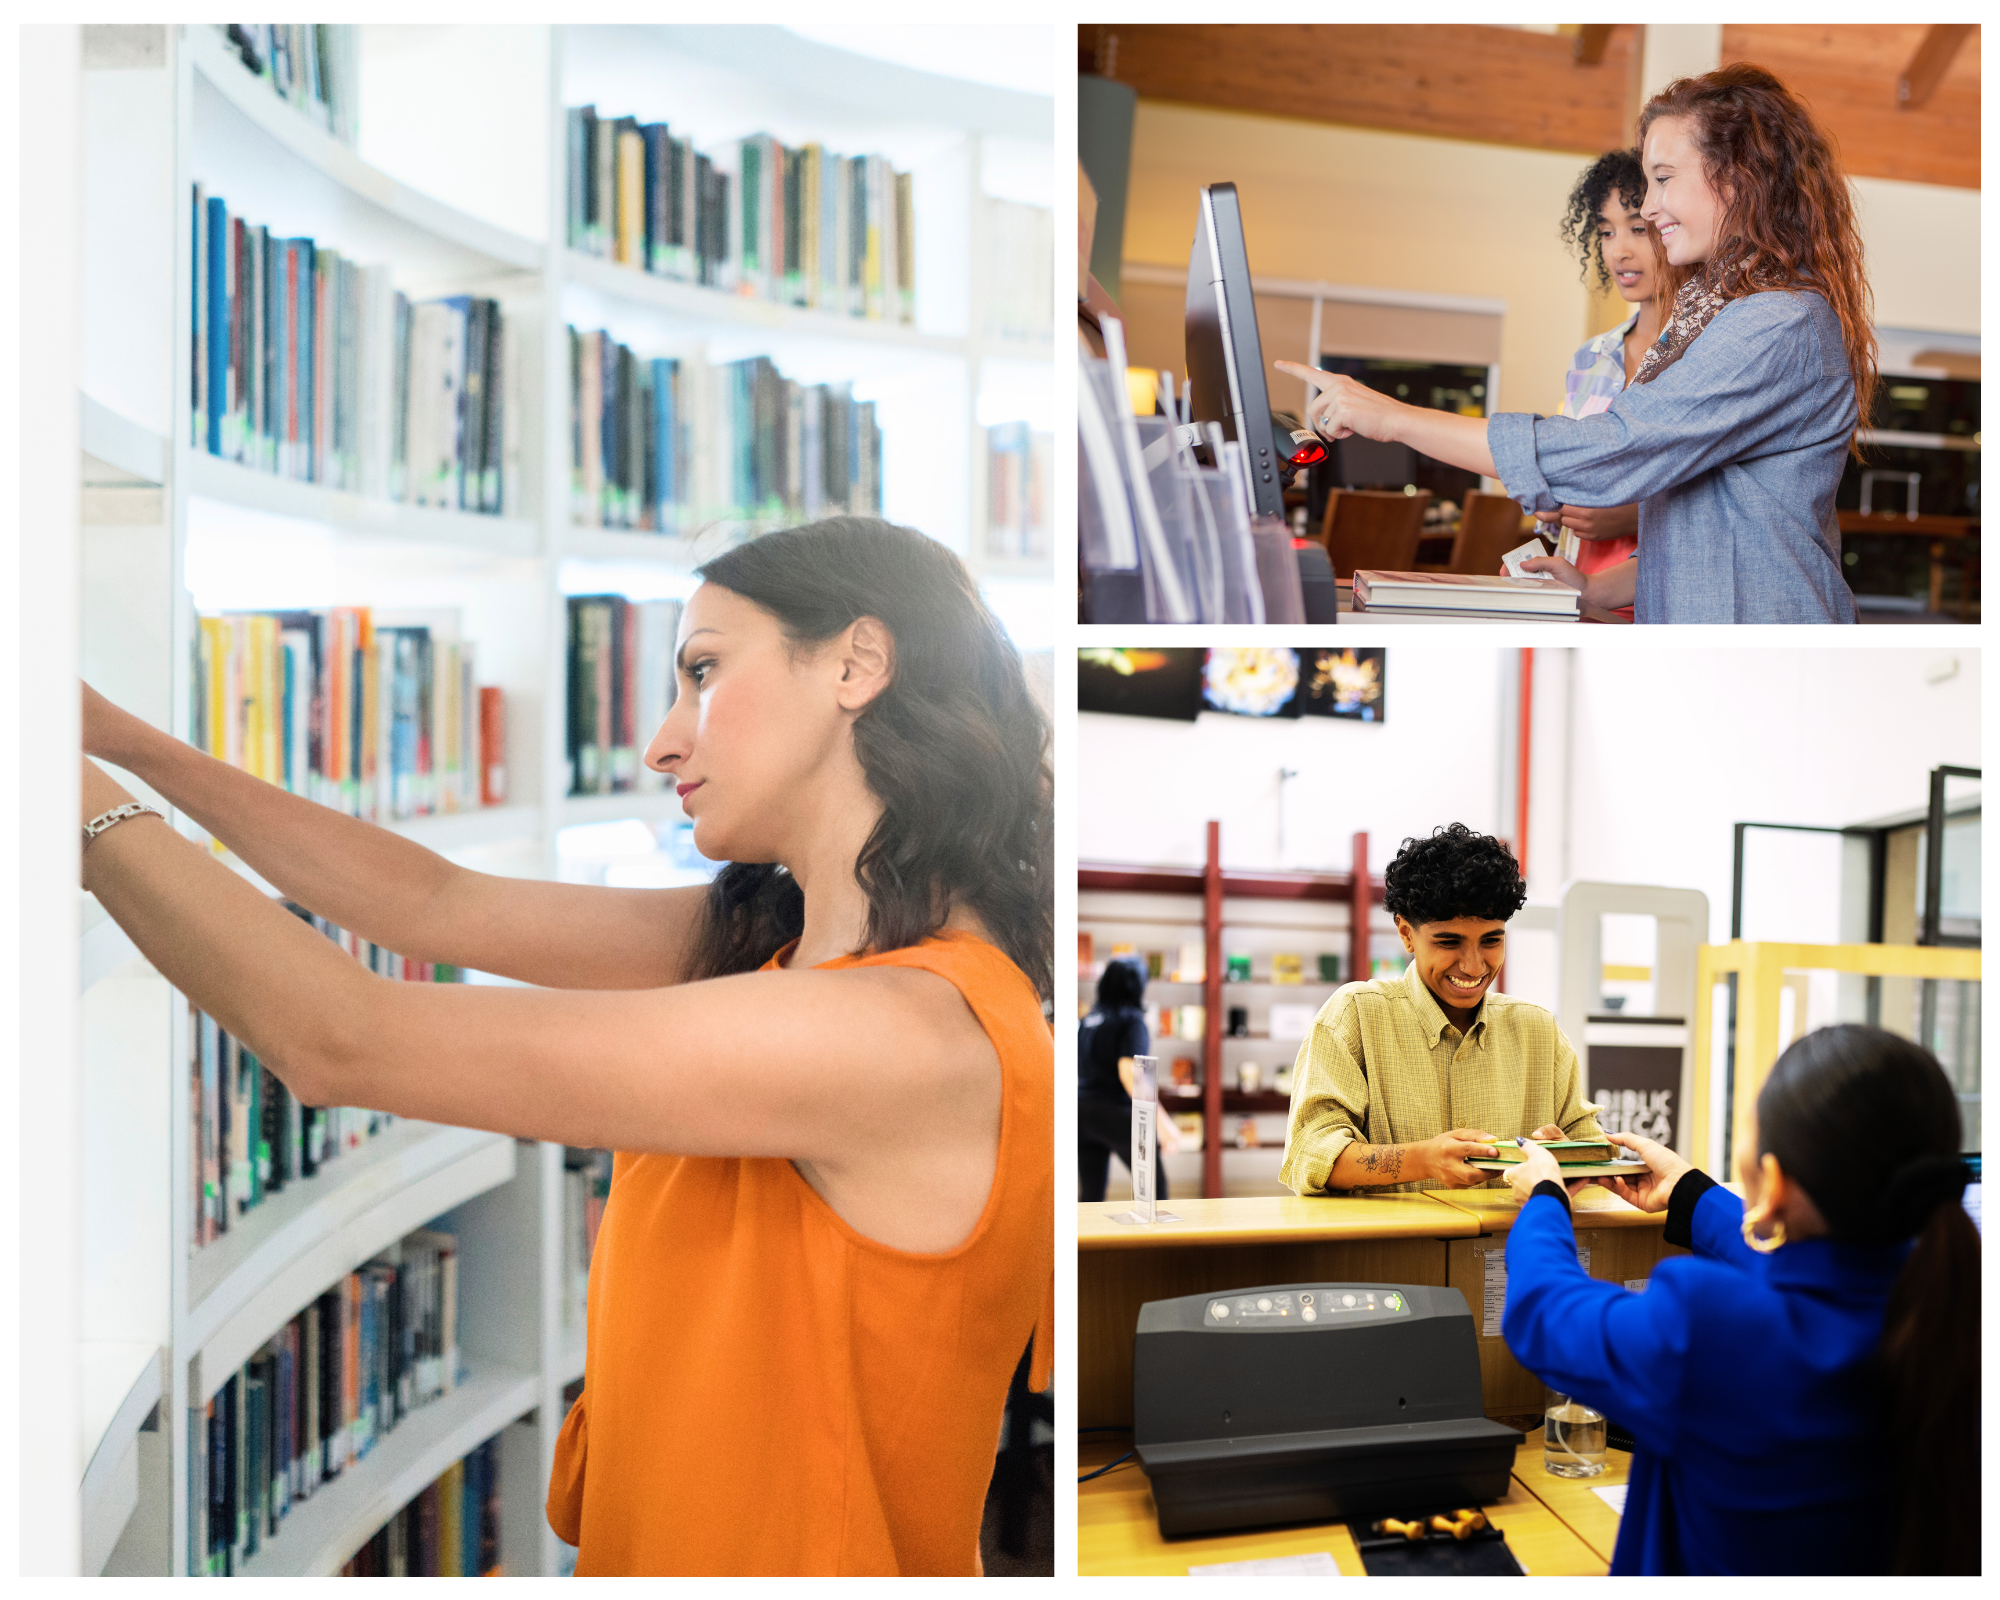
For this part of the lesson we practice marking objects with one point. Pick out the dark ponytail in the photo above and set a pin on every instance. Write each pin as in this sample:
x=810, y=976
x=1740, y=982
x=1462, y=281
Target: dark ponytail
x=956, y=749
x=1866, y=1122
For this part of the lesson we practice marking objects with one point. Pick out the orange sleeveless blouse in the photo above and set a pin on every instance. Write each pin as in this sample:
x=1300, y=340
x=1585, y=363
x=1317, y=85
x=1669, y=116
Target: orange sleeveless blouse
x=767, y=1392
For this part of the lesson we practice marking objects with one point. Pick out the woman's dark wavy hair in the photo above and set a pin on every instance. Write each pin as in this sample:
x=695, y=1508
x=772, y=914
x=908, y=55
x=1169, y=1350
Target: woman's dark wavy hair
x=1868, y=1125
x=955, y=748
x=1615, y=172
x=1454, y=873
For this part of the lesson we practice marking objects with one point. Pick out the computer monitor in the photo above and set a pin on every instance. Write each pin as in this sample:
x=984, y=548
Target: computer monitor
x=1225, y=358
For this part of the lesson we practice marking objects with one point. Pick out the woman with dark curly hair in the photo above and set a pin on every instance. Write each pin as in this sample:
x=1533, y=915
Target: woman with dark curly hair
x=828, y=1077
x=1732, y=434
x=1401, y=1081
x=1603, y=225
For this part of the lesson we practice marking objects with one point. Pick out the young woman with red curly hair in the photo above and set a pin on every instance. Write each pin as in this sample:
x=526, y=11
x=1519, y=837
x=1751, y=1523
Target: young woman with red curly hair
x=1733, y=433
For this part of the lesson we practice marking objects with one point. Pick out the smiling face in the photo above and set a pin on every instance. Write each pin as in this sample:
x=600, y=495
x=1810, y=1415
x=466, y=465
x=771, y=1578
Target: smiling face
x=1457, y=960
x=1627, y=244
x=1679, y=201
x=756, y=728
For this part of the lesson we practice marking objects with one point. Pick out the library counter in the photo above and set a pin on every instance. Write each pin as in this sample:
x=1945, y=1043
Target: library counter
x=1556, y=1527
x=1454, y=1238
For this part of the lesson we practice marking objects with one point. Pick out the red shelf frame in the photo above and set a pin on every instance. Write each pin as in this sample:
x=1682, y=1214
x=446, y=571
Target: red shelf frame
x=1355, y=888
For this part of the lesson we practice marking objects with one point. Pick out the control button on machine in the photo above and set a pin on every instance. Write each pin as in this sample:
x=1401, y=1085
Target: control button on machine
x=1347, y=1299
x=1219, y=1309
x=1309, y=1314
x=1264, y=1304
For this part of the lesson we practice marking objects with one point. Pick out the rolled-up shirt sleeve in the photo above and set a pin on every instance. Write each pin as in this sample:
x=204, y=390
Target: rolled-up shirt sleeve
x=1749, y=385
x=1329, y=1098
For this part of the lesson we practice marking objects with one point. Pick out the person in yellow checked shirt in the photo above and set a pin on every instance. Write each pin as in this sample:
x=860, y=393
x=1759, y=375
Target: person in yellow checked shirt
x=1403, y=1082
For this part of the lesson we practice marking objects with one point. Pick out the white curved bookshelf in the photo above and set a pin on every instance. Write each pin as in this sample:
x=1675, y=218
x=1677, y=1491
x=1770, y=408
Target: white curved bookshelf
x=181, y=109
x=211, y=477
x=121, y=1387
x=277, y=1258
x=325, y=174
x=318, y=1535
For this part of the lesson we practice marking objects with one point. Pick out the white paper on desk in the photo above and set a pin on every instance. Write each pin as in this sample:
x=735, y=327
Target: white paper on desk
x=1614, y=1496
x=1494, y=1298
x=1316, y=1564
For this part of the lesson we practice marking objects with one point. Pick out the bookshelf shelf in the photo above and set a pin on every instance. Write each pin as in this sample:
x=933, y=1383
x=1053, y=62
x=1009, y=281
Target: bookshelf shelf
x=318, y=1535
x=121, y=1386
x=792, y=324
x=581, y=808
x=278, y=1257
x=353, y=516
x=264, y=155
x=118, y=452
x=623, y=544
x=465, y=830
x=569, y=1366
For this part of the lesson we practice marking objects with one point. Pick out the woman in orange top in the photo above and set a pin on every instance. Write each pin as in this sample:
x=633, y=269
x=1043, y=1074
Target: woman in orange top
x=828, y=1076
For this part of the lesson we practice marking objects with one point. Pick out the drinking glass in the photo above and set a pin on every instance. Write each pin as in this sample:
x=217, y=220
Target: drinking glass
x=1573, y=1438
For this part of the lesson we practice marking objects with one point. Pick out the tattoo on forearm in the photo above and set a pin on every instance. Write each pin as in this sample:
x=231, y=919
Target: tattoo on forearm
x=1382, y=1160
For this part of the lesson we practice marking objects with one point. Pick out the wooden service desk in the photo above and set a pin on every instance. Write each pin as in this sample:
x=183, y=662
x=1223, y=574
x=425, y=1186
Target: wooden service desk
x=1452, y=1238
x=1574, y=1500
x=1118, y=1531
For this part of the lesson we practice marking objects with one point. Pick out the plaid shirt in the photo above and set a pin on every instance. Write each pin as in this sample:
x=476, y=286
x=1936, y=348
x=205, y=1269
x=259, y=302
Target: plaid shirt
x=1596, y=372
x=1384, y=1065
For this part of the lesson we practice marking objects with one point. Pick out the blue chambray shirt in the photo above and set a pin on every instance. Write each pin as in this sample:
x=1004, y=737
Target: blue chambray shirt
x=1733, y=455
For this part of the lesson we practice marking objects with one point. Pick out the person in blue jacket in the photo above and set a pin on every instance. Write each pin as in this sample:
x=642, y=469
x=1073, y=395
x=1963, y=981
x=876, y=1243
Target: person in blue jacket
x=1803, y=1389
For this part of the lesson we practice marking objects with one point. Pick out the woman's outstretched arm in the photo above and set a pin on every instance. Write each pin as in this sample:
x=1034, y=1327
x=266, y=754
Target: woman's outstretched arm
x=400, y=895
x=880, y=1082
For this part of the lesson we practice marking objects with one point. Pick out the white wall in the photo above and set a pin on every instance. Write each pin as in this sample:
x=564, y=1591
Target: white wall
x=1146, y=788
x=1670, y=747
x=1644, y=758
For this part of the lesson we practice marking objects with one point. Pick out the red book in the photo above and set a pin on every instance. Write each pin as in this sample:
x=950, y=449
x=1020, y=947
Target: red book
x=492, y=747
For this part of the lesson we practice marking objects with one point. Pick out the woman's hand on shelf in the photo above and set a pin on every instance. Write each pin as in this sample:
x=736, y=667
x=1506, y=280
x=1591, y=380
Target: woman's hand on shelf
x=1663, y=1171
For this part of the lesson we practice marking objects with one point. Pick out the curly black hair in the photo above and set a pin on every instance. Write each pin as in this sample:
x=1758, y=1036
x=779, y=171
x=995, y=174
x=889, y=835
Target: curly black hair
x=1615, y=169
x=1454, y=873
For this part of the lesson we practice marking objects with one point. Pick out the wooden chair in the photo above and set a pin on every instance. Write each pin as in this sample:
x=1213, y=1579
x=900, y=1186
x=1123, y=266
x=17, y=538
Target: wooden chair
x=1374, y=529
x=1489, y=527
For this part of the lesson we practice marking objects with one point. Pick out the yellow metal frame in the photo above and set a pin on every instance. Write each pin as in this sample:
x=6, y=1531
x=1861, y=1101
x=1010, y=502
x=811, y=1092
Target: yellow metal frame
x=1761, y=970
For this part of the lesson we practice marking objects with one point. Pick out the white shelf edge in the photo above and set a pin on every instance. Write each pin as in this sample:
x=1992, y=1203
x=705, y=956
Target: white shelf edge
x=629, y=284
x=318, y=1536
x=121, y=1385
x=105, y=947
x=584, y=543
x=569, y=1362
x=463, y=830
x=136, y=454
x=211, y=477
x=217, y=62
x=582, y=808
x=421, y=1171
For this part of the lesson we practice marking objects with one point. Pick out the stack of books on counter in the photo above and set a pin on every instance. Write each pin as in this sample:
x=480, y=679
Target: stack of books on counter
x=1458, y=594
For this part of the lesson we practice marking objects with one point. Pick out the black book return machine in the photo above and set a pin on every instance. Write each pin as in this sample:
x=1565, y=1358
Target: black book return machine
x=1312, y=1402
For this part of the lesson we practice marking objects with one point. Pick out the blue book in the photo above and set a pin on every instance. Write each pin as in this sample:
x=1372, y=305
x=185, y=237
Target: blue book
x=218, y=320
x=667, y=488
x=308, y=466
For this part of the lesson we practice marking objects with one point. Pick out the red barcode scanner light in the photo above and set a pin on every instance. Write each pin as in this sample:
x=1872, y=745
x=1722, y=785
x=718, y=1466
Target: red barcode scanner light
x=1308, y=449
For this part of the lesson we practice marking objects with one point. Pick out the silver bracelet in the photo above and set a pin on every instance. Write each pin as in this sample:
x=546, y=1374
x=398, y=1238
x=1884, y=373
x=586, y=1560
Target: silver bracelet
x=116, y=815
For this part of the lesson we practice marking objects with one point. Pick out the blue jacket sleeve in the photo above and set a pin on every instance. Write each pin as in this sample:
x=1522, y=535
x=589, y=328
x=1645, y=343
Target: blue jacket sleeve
x=1757, y=381
x=1716, y=1229
x=1624, y=1353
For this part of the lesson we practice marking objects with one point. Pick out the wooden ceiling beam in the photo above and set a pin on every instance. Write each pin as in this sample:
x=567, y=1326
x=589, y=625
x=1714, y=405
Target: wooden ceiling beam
x=1592, y=38
x=1455, y=81
x=1928, y=66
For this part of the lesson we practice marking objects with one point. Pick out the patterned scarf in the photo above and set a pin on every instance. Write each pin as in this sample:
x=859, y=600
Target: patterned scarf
x=1694, y=308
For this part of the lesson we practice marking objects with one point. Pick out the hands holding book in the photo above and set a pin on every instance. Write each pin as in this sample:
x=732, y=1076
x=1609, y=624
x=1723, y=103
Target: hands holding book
x=1663, y=1171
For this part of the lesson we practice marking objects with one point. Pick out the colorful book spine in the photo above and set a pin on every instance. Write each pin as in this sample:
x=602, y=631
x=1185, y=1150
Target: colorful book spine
x=317, y=1396
x=620, y=672
x=1019, y=463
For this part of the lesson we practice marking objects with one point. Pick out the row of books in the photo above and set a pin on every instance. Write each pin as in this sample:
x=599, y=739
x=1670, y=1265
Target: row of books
x=312, y=367
x=376, y=715
x=252, y=1135
x=318, y=1394
x=621, y=687
x=314, y=66
x=1018, y=484
x=671, y=445
x=1019, y=265
x=451, y=1529
x=797, y=225
x=586, y=1186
